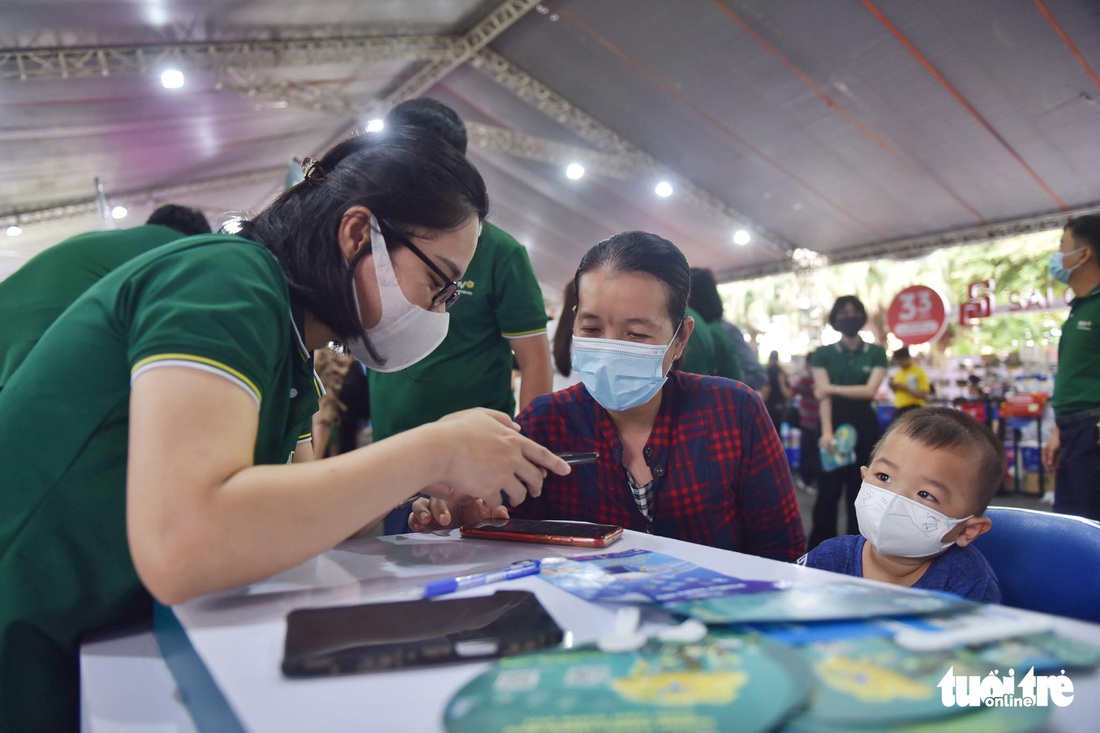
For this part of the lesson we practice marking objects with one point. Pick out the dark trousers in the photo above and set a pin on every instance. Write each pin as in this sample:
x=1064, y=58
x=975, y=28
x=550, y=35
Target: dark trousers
x=809, y=460
x=1077, y=481
x=840, y=487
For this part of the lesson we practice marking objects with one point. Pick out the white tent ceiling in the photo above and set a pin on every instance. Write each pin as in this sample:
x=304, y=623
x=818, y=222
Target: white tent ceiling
x=854, y=128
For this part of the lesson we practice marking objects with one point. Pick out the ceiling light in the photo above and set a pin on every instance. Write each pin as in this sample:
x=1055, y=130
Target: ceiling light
x=375, y=125
x=741, y=237
x=574, y=172
x=171, y=78
x=13, y=230
x=664, y=189
x=119, y=212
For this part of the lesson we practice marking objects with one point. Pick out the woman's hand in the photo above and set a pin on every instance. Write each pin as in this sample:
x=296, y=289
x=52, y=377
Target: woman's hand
x=488, y=459
x=827, y=441
x=430, y=514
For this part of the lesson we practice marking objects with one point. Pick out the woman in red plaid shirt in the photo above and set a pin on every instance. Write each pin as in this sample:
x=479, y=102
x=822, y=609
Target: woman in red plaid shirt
x=681, y=455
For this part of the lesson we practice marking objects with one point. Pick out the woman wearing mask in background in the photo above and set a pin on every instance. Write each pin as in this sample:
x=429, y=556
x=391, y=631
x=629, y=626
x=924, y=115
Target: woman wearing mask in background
x=680, y=455
x=847, y=376
x=192, y=383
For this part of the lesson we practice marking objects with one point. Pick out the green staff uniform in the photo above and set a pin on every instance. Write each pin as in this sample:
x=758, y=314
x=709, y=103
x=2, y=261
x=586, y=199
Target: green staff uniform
x=699, y=356
x=1077, y=386
x=32, y=297
x=215, y=303
x=727, y=363
x=1076, y=403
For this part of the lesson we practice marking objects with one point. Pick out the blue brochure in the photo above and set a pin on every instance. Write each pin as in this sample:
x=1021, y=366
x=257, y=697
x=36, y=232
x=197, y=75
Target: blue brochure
x=844, y=449
x=643, y=576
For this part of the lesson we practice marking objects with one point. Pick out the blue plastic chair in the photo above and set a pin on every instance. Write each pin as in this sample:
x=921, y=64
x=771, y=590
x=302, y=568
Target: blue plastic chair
x=1045, y=562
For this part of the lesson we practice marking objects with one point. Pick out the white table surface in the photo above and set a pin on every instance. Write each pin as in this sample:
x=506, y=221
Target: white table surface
x=238, y=635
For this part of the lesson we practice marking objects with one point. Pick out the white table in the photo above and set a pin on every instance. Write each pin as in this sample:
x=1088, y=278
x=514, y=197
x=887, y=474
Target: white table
x=237, y=638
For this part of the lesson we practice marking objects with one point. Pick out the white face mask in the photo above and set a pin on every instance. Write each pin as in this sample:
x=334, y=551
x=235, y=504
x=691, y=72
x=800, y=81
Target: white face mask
x=406, y=333
x=899, y=526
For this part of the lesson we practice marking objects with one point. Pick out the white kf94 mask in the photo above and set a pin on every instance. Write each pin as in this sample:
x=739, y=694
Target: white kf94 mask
x=899, y=526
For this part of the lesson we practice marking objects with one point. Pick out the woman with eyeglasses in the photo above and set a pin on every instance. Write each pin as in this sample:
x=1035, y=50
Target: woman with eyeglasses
x=145, y=436
x=680, y=455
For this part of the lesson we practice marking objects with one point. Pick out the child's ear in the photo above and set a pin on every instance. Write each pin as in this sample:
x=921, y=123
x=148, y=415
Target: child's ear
x=863, y=473
x=972, y=529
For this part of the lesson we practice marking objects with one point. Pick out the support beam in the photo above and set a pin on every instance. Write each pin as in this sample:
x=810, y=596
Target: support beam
x=912, y=247
x=492, y=25
x=73, y=208
x=549, y=102
x=60, y=62
x=529, y=147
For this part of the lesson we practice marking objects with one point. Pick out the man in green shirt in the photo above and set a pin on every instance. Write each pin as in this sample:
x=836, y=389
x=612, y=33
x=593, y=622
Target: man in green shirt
x=501, y=312
x=32, y=297
x=1073, y=450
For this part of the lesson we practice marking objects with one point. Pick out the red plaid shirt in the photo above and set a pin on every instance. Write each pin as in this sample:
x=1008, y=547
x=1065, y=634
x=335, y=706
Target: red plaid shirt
x=720, y=475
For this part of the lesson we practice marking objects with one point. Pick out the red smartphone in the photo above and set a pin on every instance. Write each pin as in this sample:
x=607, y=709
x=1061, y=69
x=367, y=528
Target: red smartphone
x=578, y=534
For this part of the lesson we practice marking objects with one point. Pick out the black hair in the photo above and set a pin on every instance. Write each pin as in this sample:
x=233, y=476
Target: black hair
x=839, y=306
x=410, y=178
x=563, y=337
x=181, y=218
x=705, y=299
x=643, y=252
x=430, y=114
x=1086, y=231
x=943, y=427
x=902, y=353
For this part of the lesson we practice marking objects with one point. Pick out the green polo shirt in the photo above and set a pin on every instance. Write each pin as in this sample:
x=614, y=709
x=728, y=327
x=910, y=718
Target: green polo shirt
x=32, y=297
x=215, y=303
x=849, y=367
x=501, y=301
x=1077, y=386
x=699, y=356
x=727, y=364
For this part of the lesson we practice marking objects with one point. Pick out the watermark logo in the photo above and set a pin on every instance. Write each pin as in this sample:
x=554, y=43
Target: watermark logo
x=995, y=691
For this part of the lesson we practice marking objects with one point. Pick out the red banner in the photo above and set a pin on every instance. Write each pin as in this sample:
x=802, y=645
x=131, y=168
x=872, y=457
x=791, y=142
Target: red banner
x=917, y=315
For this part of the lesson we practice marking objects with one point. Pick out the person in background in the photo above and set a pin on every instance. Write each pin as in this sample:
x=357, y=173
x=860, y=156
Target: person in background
x=911, y=386
x=1073, y=449
x=699, y=355
x=751, y=370
x=145, y=438
x=32, y=297
x=809, y=418
x=777, y=393
x=560, y=333
x=501, y=312
x=920, y=506
x=680, y=455
x=847, y=376
x=707, y=303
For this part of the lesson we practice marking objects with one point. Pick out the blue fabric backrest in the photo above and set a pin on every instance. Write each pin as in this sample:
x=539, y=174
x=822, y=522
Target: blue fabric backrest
x=1045, y=562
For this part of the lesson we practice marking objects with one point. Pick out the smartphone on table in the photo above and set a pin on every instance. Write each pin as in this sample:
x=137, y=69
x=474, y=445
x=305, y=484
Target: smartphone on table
x=577, y=534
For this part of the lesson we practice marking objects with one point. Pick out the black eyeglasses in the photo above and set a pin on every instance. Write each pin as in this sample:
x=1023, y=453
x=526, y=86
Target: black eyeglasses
x=449, y=293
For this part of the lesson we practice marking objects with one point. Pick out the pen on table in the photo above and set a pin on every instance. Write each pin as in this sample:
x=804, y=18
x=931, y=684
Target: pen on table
x=462, y=582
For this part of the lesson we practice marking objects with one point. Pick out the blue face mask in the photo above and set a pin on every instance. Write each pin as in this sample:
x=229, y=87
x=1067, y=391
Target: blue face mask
x=1058, y=270
x=620, y=374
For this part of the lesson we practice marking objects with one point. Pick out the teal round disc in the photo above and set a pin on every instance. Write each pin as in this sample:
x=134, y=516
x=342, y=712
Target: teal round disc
x=724, y=683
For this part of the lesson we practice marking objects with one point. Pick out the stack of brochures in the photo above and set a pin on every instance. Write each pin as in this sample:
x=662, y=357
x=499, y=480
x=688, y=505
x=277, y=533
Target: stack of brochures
x=819, y=658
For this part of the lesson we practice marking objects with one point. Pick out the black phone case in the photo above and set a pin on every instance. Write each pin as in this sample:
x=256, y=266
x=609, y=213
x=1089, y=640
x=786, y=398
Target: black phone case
x=380, y=636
